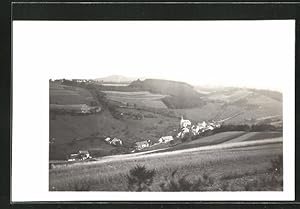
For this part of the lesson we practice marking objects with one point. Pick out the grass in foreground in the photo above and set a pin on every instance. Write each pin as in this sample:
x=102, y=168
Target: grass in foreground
x=223, y=170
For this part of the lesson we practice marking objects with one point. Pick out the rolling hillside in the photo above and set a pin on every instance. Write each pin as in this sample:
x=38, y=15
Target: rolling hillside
x=160, y=104
x=181, y=95
x=252, y=105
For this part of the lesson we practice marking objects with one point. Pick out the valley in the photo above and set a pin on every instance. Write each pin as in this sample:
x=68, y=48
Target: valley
x=140, y=113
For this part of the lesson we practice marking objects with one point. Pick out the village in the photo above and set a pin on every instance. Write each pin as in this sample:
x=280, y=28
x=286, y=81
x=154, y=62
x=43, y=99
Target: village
x=186, y=128
x=124, y=110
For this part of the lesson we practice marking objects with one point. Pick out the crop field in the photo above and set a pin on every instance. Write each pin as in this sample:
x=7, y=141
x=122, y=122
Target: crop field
x=263, y=135
x=252, y=168
x=68, y=95
x=140, y=98
x=229, y=96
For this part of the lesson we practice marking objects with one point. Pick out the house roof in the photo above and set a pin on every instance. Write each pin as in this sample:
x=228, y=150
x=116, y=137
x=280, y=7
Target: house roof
x=116, y=139
x=141, y=142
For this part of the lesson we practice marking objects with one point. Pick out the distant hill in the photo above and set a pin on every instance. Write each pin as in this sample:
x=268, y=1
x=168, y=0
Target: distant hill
x=116, y=79
x=181, y=95
x=219, y=90
x=253, y=104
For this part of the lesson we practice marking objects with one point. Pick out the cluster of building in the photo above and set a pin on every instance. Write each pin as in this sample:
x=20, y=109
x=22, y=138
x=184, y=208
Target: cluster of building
x=148, y=143
x=73, y=80
x=142, y=144
x=82, y=80
x=81, y=155
x=196, y=129
x=186, y=127
x=88, y=109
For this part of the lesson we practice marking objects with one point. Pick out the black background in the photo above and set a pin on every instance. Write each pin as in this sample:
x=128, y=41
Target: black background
x=128, y=11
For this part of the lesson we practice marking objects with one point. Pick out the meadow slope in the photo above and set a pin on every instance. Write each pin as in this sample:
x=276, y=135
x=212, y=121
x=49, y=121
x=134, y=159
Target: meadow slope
x=233, y=169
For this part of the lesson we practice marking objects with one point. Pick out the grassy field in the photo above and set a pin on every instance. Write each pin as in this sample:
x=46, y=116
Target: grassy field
x=237, y=169
x=68, y=95
x=140, y=98
x=220, y=138
x=263, y=135
x=68, y=131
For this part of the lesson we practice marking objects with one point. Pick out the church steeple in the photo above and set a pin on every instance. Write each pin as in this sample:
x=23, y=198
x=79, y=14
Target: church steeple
x=181, y=122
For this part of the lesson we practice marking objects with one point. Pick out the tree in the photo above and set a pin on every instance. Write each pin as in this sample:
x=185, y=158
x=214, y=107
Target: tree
x=140, y=179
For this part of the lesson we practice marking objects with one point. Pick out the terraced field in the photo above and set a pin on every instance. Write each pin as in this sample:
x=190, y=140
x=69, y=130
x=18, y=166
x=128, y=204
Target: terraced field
x=140, y=98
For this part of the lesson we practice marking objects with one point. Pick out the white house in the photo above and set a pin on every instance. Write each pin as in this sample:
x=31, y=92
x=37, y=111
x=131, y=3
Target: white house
x=84, y=154
x=107, y=139
x=195, y=129
x=113, y=141
x=81, y=155
x=84, y=108
x=166, y=139
x=116, y=141
x=142, y=144
x=183, y=132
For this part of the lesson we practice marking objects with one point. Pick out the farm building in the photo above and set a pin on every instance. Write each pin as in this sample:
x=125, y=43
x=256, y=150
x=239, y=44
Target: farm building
x=81, y=155
x=209, y=126
x=85, y=109
x=113, y=141
x=195, y=129
x=107, y=139
x=142, y=144
x=81, y=80
x=165, y=139
x=200, y=127
x=116, y=141
x=183, y=132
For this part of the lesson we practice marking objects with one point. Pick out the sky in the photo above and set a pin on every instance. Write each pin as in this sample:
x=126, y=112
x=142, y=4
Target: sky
x=255, y=54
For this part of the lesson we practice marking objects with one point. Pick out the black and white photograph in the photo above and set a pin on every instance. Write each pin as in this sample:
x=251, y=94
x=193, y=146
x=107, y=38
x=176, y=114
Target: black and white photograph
x=196, y=110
